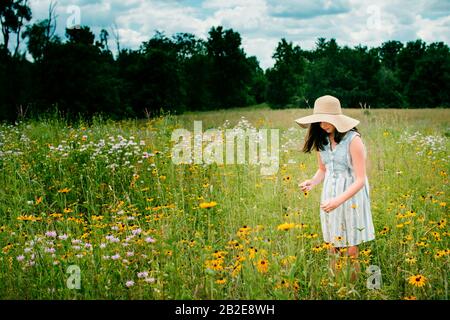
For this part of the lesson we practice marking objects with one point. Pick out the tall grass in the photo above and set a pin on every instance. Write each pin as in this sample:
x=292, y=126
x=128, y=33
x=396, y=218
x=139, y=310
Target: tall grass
x=108, y=198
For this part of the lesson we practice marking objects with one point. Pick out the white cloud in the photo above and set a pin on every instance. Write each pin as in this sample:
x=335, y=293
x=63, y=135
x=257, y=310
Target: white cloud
x=262, y=23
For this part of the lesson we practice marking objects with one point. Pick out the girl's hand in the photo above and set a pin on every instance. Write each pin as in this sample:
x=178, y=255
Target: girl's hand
x=330, y=205
x=306, y=185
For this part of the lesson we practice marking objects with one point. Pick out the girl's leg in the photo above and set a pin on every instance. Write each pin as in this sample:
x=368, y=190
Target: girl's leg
x=333, y=254
x=353, y=255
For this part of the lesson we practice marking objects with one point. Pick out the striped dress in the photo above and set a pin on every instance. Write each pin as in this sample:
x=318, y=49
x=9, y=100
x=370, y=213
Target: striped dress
x=351, y=223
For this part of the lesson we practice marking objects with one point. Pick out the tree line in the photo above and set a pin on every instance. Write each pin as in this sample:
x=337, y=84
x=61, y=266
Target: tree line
x=80, y=76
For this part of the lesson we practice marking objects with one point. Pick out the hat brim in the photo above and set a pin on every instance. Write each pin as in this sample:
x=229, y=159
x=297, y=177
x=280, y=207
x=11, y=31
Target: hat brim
x=342, y=122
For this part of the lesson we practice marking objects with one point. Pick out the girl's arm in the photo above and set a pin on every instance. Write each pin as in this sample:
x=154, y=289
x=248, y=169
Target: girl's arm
x=359, y=167
x=320, y=174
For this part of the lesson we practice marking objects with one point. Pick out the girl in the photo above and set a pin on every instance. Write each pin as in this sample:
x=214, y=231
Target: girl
x=345, y=212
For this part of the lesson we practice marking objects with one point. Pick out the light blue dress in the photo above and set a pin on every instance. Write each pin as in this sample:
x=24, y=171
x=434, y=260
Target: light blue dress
x=351, y=223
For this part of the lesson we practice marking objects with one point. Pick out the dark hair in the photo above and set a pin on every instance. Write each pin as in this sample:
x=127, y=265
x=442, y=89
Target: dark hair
x=316, y=137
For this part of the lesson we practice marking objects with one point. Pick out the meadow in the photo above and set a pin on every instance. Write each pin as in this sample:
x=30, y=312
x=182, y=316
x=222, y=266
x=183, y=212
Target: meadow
x=106, y=200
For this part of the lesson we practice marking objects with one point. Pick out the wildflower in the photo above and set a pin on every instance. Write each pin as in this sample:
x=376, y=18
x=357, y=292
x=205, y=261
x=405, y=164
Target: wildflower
x=143, y=274
x=51, y=234
x=441, y=224
x=417, y=280
x=63, y=237
x=149, y=280
x=115, y=257
x=215, y=264
x=410, y=298
x=385, y=230
x=129, y=283
x=287, y=178
x=20, y=258
x=208, y=205
x=65, y=190
x=262, y=265
x=366, y=252
x=38, y=200
x=149, y=240
x=411, y=260
x=221, y=281
x=327, y=245
x=317, y=248
x=286, y=226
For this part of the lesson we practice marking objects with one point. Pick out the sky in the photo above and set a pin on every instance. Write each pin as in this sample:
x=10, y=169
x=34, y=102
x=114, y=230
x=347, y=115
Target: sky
x=261, y=23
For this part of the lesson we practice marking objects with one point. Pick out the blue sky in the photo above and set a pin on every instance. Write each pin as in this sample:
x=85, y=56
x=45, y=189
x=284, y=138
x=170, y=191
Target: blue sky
x=261, y=23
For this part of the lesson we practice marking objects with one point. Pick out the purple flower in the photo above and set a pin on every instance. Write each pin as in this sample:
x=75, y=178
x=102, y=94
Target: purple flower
x=150, y=240
x=50, y=250
x=51, y=234
x=129, y=283
x=20, y=258
x=136, y=231
x=116, y=256
x=143, y=274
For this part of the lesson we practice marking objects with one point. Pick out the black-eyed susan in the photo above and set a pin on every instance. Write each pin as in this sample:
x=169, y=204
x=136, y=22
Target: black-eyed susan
x=252, y=252
x=384, y=231
x=411, y=260
x=221, y=280
x=442, y=223
x=327, y=245
x=208, y=205
x=64, y=190
x=286, y=226
x=262, y=265
x=366, y=252
x=417, y=280
x=317, y=248
x=287, y=178
x=409, y=298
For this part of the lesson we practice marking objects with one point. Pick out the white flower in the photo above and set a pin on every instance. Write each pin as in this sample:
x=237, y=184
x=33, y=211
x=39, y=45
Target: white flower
x=129, y=283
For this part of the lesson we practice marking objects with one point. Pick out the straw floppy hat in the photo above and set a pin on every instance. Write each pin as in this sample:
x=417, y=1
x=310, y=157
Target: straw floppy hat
x=328, y=109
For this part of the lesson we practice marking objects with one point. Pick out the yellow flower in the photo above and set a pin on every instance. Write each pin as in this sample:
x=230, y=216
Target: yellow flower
x=208, y=205
x=286, y=226
x=262, y=265
x=65, y=190
x=317, y=248
x=417, y=280
x=410, y=298
x=385, y=230
x=354, y=206
x=68, y=210
x=366, y=252
x=441, y=224
x=411, y=260
x=38, y=200
x=252, y=252
x=327, y=245
x=221, y=281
